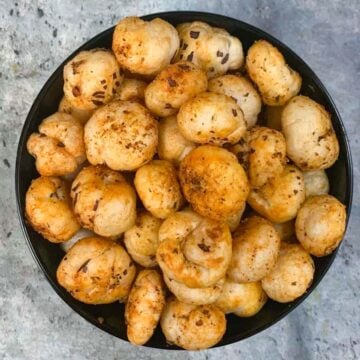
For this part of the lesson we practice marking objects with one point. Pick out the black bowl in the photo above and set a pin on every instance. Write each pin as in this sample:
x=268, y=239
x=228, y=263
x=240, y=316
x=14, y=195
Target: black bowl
x=48, y=255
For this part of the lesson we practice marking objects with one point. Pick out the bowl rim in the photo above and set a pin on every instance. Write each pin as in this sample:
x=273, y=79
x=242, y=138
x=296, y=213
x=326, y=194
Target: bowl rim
x=211, y=16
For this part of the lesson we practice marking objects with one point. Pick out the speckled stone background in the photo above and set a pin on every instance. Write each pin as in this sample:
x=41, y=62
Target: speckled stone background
x=35, y=36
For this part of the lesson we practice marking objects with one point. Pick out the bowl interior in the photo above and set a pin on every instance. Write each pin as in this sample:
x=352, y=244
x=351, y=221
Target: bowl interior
x=110, y=317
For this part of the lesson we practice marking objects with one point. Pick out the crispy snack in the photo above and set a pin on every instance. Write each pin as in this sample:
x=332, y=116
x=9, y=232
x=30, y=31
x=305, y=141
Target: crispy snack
x=256, y=246
x=292, y=275
x=213, y=182
x=242, y=91
x=48, y=209
x=142, y=239
x=103, y=201
x=194, y=250
x=211, y=118
x=243, y=300
x=320, y=224
x=213, y=49
x=122, y=135
x=310, y=138
x=267, y=68
x=173, y=146
x=192, y=327
x=59, y=146
x=158, y=188
x=280, y=199
x=96, y=271
x=91, y=79
x=173, y=86
x=144, y=306
x=144, y=47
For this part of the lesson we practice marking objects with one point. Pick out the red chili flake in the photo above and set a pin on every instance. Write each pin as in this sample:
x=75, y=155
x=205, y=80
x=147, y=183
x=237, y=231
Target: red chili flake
x=76, y=91
x=96, y=205
x=97, y=103
x=225, y=59
x=103, y=81
x=234, y=112
x=83, y=267
x=219, y=54
x=185, y=46
x=75, y=187
x=75, y=65
x=54, y=195
x=190, y=56
x=60, y=144
x=199, y=323
x=194, y=34
x=114, y=75
x=184, y=67
x=75, y=198
x=204, y=247
x=171, y=82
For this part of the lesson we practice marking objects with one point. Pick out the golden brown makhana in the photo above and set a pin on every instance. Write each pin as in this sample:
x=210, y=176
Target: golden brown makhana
x=91, y=79
x=59, y=146
x=172, y=146
x=48, y=209
x=267, y=68
x=193, y=250
x=97, y=271
x=144, y=306
x=280, y=198
x=311, y=141
x=158, y=188
x=144, y=47
x=256, y=246
x=320, y=224
x=122, y=135
x=175, y=85
x=169, y=120
x=142, y=239
x=103, y=201
x=242, y=299
x=242, y=91
x=292, y=275
x=208, y=175
x=213, y=49
x=131, y=90
x=192, y=327
x=211, y=118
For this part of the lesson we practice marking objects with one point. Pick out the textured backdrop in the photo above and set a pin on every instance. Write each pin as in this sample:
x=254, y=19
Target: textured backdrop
x=35, y=36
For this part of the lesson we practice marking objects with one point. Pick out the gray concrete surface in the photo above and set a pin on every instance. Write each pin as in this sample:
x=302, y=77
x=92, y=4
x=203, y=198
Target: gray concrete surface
x=35, y=35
